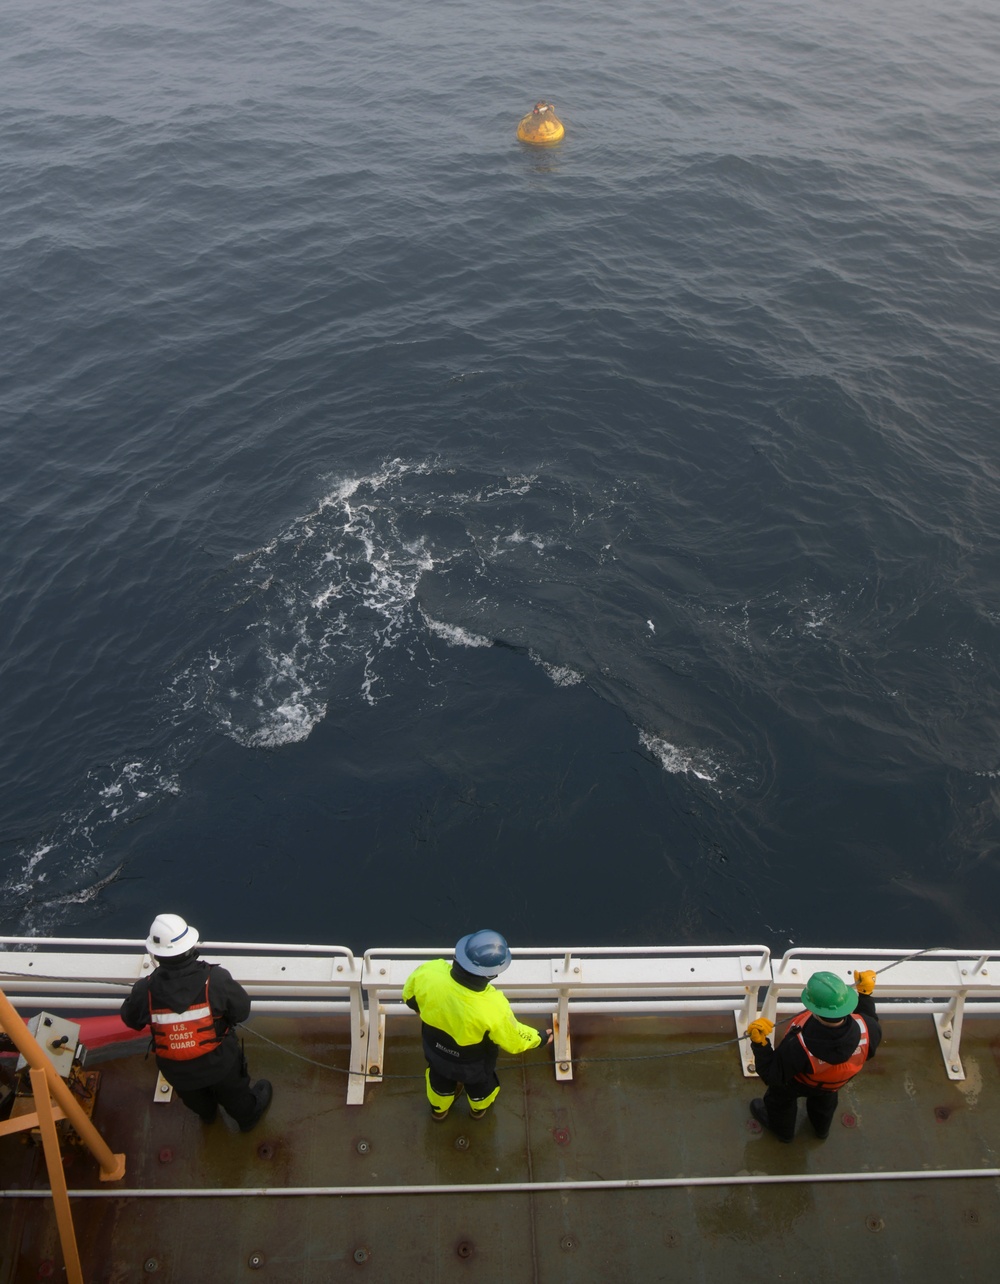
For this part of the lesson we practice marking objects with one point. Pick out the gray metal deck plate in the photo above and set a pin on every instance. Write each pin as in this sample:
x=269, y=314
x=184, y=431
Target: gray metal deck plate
x=685, y=1116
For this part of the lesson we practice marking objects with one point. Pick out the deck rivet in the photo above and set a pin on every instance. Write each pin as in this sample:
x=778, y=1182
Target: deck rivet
x=461, y=1143
x=151, y=1266
x=850, y=1121
x=46, y=1269
x=971, y=1216
x=672, y=1239
x=361, y=1255
x=363, y=1147
x=166, y=1155
x=381, y=971
x=956, y=1069
x=265, y=1150
x=795, y=971
x=874, y=1223
x=564, y=1066
x=464, y=1248
x=255, y=1261
x=568, y=1243
x=374, y=1070
x=561, y=1136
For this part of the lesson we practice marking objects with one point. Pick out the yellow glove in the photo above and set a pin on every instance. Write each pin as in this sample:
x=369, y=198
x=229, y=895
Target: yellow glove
x=759, y=1030
x=864, y=982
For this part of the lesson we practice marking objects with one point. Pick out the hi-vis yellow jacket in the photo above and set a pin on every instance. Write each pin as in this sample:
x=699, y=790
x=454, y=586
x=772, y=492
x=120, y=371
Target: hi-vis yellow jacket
x=468, y=1017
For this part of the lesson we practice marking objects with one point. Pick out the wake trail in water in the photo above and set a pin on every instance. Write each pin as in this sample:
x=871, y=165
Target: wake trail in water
x=331, y=609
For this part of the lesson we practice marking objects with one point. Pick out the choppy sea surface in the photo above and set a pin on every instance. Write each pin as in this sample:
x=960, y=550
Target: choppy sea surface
x=406, y=530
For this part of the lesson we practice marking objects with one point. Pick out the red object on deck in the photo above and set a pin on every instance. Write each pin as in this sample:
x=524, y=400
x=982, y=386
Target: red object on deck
x=106, y=1037
x=96, y=1031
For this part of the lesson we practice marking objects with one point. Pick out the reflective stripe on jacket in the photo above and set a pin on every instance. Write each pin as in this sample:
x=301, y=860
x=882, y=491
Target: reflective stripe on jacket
x=183, y=1036
x=468, y=1017
x=826, y=1074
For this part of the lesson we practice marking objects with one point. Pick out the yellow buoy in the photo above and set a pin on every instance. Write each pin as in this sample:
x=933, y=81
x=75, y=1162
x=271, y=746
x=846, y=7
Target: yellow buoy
x=541, y=127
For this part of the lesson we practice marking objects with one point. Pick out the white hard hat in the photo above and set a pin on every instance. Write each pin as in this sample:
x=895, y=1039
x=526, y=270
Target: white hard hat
x=170, y=935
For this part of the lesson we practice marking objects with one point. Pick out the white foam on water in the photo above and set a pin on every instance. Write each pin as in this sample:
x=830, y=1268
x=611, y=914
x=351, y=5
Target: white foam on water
x=561, y=674
x=327, y=608
x=289, y=705
x=133, y=783
x=818, y=614
x=334, y=594
x=72, y=849
x=330, y=593
x=453, y=634
x=678, y=761
x=515, y=538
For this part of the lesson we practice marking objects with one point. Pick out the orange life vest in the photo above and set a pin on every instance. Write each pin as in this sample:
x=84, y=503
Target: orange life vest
x=824, y=1074
x=183, y=1036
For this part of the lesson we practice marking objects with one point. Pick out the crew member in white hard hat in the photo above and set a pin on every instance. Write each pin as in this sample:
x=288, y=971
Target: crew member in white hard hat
x=192, y=1008
x=465, y=1022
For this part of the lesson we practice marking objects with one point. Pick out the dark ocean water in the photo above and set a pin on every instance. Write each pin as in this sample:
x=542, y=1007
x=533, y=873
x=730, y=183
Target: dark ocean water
x=406, y=530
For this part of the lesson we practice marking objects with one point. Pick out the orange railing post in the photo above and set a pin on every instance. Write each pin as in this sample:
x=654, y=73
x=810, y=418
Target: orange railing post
x=57, y=1178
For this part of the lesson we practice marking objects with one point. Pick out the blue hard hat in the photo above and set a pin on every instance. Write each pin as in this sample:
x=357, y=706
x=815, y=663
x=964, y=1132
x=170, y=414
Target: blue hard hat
x=483, y=953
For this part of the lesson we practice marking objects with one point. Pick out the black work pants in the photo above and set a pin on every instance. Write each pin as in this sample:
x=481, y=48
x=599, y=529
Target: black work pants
x=782, y=1106
x=478, y=1089
x=232, y=1093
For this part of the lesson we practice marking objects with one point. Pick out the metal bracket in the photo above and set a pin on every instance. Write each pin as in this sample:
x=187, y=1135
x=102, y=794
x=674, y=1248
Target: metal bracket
x=948, y=1026
x=376, y=1042
x=561, y=1047
x=743, y=1018
x=163, y=1092
x=565, y=972
x=359, y=1050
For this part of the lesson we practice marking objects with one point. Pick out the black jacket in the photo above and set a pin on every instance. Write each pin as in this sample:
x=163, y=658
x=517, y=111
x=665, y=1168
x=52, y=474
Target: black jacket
x=835, y=1044
x=177, y=986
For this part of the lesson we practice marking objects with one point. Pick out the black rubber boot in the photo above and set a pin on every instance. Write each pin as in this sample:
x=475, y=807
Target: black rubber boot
x=263, y=1091
x=759, y=1112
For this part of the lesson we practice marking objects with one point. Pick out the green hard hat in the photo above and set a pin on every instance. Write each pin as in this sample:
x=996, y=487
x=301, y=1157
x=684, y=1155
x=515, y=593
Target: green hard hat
x=828, y=996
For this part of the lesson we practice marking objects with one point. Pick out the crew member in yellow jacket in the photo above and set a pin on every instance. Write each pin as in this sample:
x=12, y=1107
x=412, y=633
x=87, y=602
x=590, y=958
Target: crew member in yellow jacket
x=465, y=1022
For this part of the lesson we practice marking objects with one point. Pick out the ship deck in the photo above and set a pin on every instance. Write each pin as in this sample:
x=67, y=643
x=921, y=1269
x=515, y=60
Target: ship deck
x=631, y=1112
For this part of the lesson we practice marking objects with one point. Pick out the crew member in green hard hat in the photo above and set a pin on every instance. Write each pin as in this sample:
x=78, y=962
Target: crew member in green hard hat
x=821, y=1051
x=465, y=1022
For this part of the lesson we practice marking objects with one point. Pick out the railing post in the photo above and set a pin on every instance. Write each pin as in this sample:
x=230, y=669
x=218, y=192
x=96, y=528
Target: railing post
x=359, y=1046
x=744, y=1014
x=948, y=1025
x=376, y=1038
x=561, y=1047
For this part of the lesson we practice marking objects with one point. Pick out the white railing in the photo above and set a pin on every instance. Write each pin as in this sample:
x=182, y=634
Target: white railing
x=289, y=979
x=86, y=974
x=941, y=983
x=550, y=979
